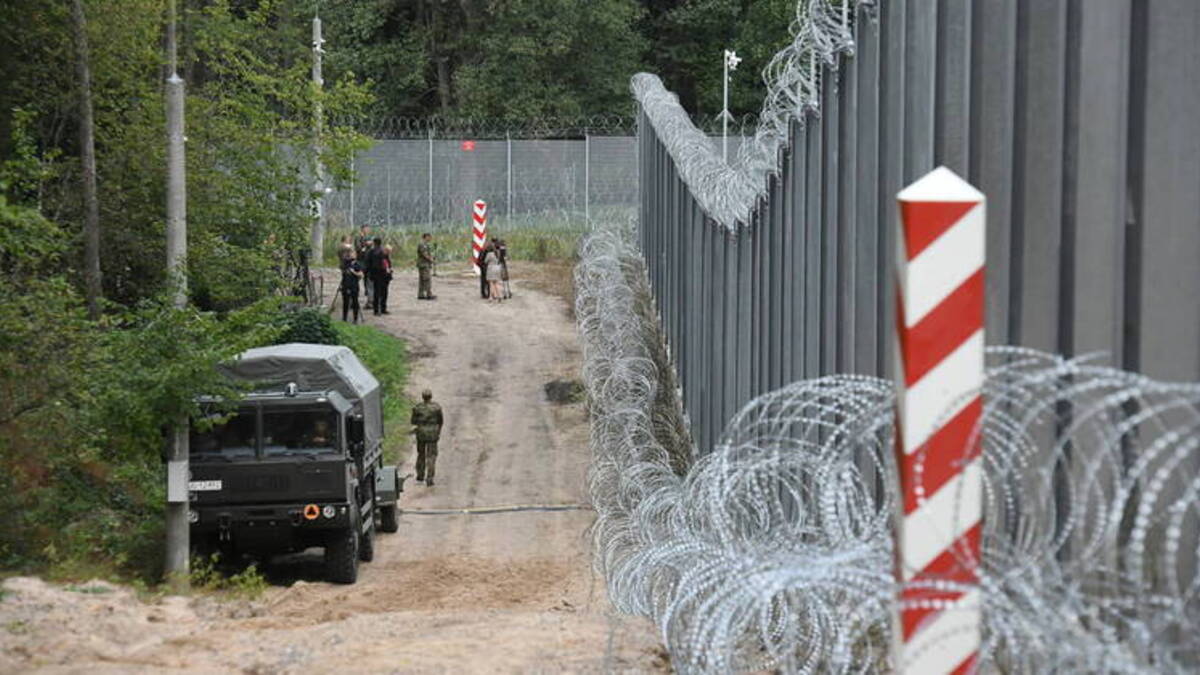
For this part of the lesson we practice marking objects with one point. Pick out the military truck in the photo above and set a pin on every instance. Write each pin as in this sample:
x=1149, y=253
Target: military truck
x=297, y=463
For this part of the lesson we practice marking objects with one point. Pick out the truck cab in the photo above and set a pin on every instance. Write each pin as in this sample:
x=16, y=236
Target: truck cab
x=296, y=463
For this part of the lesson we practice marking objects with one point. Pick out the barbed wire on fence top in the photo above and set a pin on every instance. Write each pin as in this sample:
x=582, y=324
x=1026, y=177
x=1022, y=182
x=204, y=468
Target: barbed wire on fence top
x=541, y=128
x=774, y=550
x=728, y=192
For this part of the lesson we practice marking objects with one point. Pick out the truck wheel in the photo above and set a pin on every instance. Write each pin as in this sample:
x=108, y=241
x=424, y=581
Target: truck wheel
x=366, y=544
x=389, y=518
x=341, y=556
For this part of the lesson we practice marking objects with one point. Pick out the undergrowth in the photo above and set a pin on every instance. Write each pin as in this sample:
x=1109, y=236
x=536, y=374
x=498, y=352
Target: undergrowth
x=207, y=576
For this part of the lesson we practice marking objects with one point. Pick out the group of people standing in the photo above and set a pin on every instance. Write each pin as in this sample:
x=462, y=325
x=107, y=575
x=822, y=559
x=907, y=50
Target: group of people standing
x=368, y=261
x=493, y=271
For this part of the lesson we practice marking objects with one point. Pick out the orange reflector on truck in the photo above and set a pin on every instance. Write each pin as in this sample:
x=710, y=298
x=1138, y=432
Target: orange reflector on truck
x=311, y=512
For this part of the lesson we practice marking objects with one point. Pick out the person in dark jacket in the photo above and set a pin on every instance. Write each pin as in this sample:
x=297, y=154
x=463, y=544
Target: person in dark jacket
x=502, y=253
x=362, y=247
x=352, y=273
x=381, y=267
x=484, y=288
x=382, y=278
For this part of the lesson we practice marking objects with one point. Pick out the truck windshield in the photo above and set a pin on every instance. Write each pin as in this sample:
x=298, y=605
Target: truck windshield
x=229, y=439
x=299, y=432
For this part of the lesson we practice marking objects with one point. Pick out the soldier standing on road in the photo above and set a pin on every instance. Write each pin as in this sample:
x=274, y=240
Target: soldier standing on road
x=425, y=269
x=427, y=425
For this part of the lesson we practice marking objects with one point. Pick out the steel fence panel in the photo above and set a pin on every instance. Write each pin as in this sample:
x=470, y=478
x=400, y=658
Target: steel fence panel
x=777, y=278
x=797, y=277
x=830, y=112
x=920, y=44
x=993, y=74
x=951, y=143
x=787, y=255
x=847, y=220
x=891, y=161
x=1013, y=94
x=1037, y=203
x=812, y=249
x=870, y=263
x=1095, y=204
x=1169, y=223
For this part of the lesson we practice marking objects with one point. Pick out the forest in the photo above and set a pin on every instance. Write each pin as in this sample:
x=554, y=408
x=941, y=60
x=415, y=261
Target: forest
x=95, y=361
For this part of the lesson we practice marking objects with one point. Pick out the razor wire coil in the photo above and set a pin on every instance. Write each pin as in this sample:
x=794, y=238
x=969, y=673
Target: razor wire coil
x=774, y=550
x=728, y=192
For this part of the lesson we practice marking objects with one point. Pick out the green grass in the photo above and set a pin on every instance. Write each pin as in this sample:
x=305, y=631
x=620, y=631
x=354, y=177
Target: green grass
x=386, y=356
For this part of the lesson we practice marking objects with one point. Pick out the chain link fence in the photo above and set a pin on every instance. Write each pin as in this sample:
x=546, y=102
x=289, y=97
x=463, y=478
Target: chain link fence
x=547, y=173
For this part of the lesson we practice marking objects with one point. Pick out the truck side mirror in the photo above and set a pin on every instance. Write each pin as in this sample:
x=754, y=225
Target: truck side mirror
x=355, y=434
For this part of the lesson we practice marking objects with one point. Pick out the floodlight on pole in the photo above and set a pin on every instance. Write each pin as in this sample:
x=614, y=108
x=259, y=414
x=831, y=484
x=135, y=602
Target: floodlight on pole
x=730, y=61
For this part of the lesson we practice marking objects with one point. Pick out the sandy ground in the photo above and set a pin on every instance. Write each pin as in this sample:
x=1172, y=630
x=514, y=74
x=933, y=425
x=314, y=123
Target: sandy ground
x=505, y=592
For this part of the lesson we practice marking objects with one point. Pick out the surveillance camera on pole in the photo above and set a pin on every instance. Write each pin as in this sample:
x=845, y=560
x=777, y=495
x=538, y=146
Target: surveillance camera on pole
x=731, y=61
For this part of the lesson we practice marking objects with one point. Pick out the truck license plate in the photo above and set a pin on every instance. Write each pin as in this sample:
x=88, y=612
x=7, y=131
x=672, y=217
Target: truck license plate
x=204, y=485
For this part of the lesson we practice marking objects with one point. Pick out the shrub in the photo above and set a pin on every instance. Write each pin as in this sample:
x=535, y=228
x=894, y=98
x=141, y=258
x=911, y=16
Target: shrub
x=311, y=325
x=206, y=574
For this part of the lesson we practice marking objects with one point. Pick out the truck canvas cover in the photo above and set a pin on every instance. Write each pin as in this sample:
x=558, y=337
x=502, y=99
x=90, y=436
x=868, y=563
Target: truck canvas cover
x=313, y=368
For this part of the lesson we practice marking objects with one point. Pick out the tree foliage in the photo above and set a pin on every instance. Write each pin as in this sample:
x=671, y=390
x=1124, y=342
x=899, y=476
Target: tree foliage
x=517, y=59
x=83, y=402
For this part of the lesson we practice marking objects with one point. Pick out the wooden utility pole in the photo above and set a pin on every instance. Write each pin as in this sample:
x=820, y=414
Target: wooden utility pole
x=87, y=162
x=178, y=540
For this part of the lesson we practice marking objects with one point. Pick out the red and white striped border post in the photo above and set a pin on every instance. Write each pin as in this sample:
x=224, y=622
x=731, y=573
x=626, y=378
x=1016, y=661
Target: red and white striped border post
x=480, y=234
x=940, y=370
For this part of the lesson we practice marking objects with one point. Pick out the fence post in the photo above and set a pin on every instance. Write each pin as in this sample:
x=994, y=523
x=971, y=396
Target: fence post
x=430, y=173
x=939, y=377
x=587, y=178
x=353, y=180
x=508, y=149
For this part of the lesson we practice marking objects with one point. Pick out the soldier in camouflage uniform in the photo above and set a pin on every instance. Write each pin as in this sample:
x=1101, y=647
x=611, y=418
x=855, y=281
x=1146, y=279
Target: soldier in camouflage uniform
x=427, y=425
x=425, y=268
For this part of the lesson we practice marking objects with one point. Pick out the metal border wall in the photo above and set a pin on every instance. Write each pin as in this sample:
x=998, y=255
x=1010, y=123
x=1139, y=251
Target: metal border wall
x=1076, y=118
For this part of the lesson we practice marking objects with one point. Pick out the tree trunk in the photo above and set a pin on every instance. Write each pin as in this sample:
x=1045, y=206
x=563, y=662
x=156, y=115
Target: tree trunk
x=87, y=162
x=443, y=75
x=437, y=52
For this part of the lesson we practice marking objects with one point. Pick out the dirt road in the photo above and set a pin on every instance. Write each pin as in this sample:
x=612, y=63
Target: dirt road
x=504, y=592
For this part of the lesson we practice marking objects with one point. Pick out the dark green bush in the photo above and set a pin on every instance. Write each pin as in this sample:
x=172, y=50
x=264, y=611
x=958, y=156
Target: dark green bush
x=311, y=325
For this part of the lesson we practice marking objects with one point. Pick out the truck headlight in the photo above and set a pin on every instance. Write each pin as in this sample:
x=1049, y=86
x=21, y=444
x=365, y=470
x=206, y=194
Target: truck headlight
x=193, y=516
x=329, y=511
